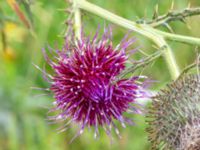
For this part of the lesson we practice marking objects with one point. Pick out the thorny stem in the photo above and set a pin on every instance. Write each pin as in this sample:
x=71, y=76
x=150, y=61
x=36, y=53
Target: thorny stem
x=77, y=19
x=142, y=63
x=186, y=69
x=143, y=29
x=172, y=16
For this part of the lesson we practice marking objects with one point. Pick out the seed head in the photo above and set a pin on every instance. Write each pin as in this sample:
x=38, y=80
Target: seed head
x=174, y=118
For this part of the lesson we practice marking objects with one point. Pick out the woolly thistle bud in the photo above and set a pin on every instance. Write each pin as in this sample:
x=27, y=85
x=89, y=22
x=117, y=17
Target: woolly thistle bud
x=85, y=84
x=174, y=117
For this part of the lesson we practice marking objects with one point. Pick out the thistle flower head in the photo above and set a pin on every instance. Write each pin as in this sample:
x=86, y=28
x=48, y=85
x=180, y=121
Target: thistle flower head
x=85, y=84
x=174, y=118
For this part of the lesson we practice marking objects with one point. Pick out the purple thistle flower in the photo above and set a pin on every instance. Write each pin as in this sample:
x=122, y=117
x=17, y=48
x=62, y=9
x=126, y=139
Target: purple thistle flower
x=86, y=87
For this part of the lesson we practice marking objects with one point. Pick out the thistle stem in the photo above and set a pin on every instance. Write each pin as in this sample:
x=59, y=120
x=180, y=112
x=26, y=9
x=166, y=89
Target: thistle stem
x=179, y=38
x=171, y=62
x=143, y=29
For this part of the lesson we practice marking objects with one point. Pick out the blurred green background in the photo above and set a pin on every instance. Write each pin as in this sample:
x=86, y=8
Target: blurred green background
x=23, y=111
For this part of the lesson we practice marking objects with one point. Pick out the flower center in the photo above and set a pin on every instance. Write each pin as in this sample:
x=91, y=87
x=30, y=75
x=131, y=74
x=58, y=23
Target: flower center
x=98, y=90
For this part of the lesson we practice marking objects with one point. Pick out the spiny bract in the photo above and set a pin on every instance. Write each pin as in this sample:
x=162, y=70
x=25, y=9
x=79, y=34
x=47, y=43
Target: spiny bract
x=174, y=118
x=86, y=87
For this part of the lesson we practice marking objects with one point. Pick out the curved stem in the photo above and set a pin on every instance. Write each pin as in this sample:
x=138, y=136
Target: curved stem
x=143, y=29
x=139, y=28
